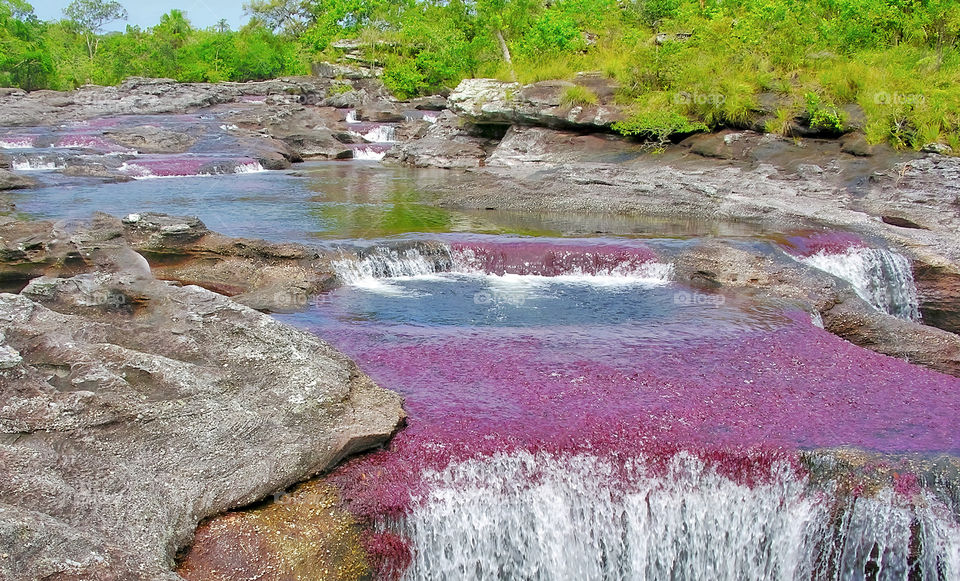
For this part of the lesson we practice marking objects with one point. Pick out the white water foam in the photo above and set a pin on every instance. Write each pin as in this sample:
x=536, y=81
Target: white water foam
x=368, y=154
x=352, y=116
x=382, y=134
x=377, y=268
x=545, y=517
x=881, y=277
x=35, y=164
x=16, y=143
x=249, y=167
x=139, y=172
x=384, y=263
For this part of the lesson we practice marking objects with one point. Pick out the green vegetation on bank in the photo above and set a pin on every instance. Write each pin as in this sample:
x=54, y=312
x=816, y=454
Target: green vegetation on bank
x=72, y=52
x=682, y=65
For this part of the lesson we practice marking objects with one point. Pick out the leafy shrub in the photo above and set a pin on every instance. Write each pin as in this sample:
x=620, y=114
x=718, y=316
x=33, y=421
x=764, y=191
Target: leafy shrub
x=823, y=117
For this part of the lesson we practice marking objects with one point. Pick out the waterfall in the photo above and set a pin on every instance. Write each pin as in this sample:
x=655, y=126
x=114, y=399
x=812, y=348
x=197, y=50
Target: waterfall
x=382, y=134
x=182, y=167
x=37, y=163
x=381, y=263
x=249, y=167
x=352, y=116
x=595, y=264
x=369, y=153
x=539, y=516
x=881, y=277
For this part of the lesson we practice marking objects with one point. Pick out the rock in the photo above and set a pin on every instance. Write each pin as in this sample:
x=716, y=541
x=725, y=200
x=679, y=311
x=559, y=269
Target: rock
x=318, y=144
x=434, y=103
x=445, y=145
x=901, y=222
x=129, y=421
x=712, y=266
x=13, y=181
x=856, y=144
x=145, y=96
x=346, y=100
x=305, y=533
x=913, y=342
x=270, y=153
x=32, y=249
x=664, y=38
x=266, y=276
x=937, y=148
x=95, y=170
x=938, y=287
x=525, y=145
x=599, y=84
x=381, y=113
x=149, y=139
x=340, y=71
x=9, y=357
x=854, y=117
x=488, y=101
x=710, y=145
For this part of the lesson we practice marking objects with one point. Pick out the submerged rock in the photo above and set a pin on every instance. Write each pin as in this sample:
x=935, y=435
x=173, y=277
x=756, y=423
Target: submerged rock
x=131, y=409
x=305, y=534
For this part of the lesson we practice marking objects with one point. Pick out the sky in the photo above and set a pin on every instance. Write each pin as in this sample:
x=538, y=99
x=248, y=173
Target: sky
x=143, y=13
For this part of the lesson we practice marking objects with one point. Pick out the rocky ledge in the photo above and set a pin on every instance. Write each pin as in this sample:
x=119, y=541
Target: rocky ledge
x=134, y=408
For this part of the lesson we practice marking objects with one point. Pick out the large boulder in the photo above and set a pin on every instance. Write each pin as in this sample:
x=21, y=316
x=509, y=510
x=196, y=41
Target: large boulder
x=149, y=139
x=523, y=145
x=444, y=144
x=547, y=103
x=13, y=181
x=131, y=409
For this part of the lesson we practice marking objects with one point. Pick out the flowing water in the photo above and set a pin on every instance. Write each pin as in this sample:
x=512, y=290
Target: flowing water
x=574, y=413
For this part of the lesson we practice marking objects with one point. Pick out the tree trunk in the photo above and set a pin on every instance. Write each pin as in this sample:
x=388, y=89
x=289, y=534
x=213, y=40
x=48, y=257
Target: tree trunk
x=506, y=53
x=504, y=48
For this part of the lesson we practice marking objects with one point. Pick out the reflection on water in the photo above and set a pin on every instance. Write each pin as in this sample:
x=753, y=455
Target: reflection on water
x=327, y=201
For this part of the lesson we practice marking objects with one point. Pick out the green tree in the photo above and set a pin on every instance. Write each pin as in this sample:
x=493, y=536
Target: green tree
x=91, y=16
x=288, y=16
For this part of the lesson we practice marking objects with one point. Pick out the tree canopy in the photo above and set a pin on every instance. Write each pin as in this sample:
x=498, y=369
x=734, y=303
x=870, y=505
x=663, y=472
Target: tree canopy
x=898, y=60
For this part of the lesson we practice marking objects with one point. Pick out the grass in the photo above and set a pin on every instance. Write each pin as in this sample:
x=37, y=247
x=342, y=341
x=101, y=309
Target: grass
x=578, y=96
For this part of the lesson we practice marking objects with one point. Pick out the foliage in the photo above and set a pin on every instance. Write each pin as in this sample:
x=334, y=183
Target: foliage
x=90, y=16
x=823, y=117
x=681, y=65
x=578, y=95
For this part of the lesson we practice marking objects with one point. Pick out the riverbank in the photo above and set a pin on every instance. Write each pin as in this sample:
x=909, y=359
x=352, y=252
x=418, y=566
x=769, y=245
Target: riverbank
x=174, y=378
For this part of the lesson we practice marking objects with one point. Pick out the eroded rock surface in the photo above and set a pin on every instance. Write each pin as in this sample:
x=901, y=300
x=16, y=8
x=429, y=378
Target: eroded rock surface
x=133, y=408
x=546, y=103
